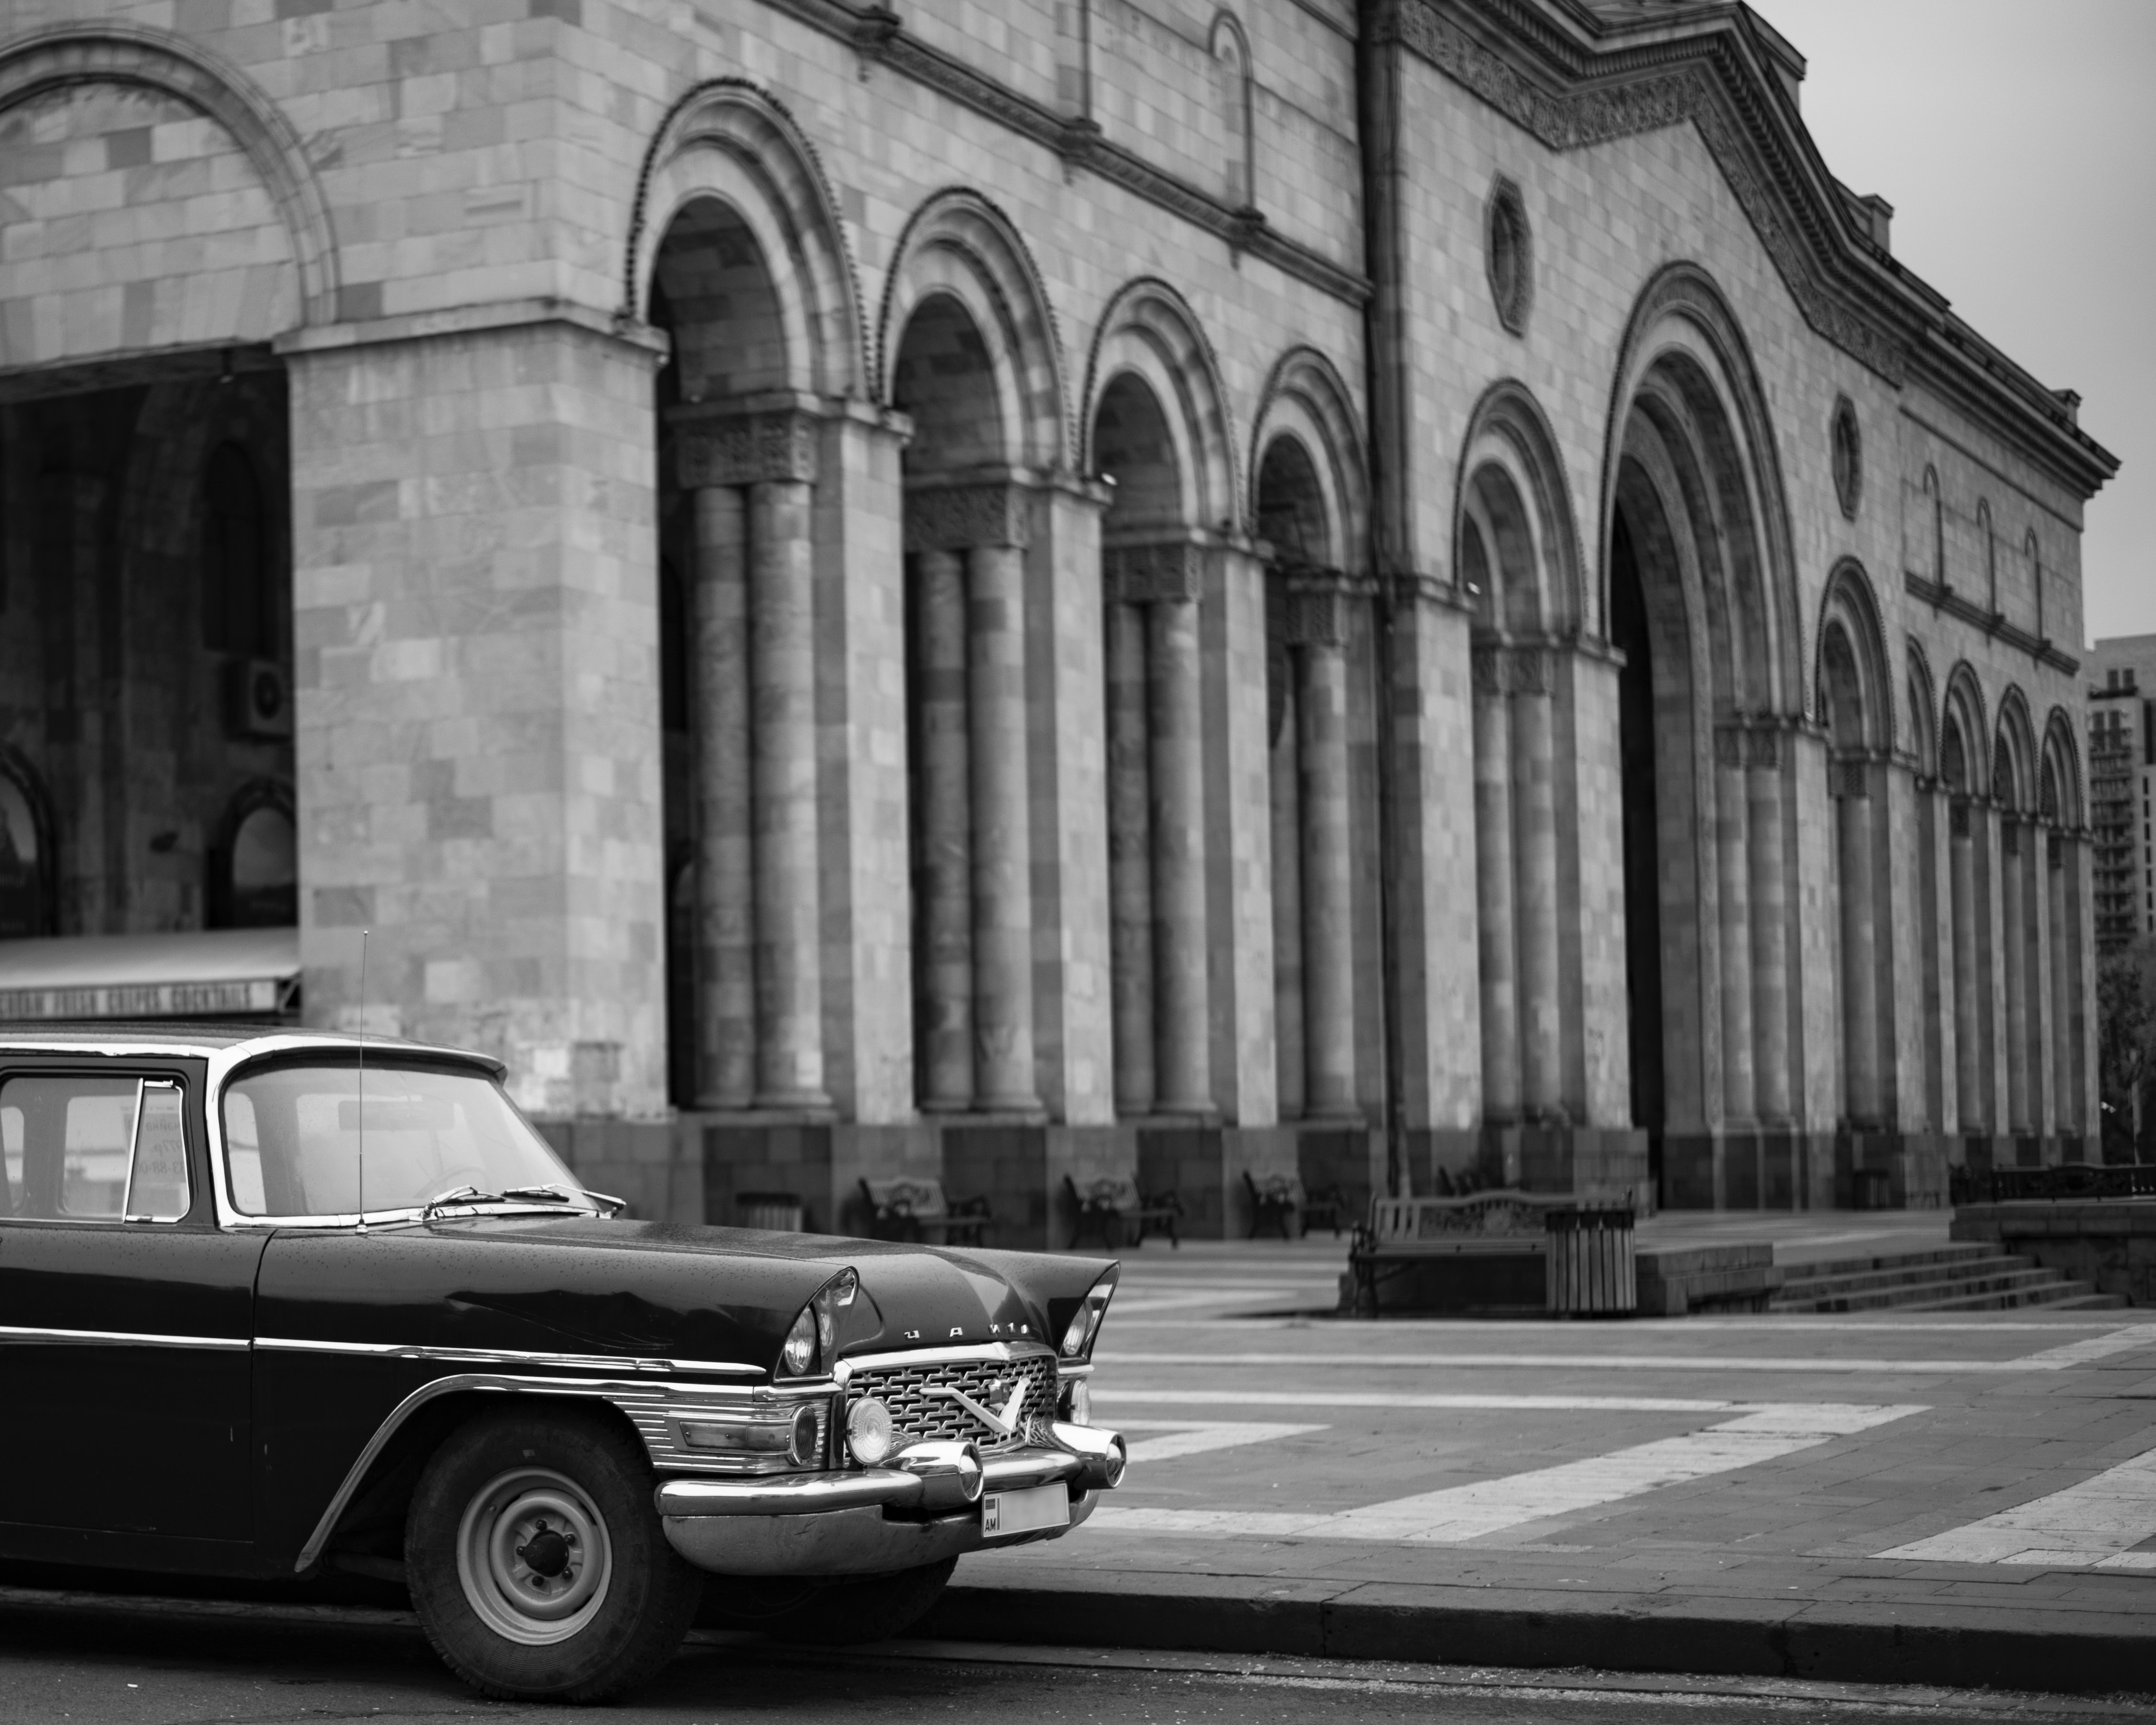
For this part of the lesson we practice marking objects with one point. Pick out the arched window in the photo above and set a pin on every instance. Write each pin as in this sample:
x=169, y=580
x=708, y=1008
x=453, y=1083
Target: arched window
x=1990, y=544
x=1938, y=525
x=27, y=905
x=1231, y=58
x=255, y=872
x=237, y=598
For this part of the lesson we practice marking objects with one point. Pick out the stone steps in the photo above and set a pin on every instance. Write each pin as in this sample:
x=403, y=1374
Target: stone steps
x=1965, y=1278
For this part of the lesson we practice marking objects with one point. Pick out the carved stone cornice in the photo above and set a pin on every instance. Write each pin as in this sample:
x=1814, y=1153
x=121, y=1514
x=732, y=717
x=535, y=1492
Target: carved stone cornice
x=1169, y=571
x=744, y=448
x=960, y=517
x=1316, y=616
x=1572, y=92
x=1499, y=668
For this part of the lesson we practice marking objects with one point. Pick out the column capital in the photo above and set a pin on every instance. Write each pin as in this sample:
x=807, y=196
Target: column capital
x=1509, y=668
x=733, y=445
x=1165, y=571
x=961, y=516
x=1848, y=775
x=1315, y=612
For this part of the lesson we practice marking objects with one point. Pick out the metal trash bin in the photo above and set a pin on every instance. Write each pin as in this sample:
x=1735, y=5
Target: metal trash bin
x=780, y=1211
x=1590, y=1266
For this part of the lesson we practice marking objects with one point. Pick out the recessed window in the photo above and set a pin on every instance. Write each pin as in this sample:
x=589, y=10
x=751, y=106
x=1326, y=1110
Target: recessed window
x=1848, y=457
x=26, y=873
x=1509, y=253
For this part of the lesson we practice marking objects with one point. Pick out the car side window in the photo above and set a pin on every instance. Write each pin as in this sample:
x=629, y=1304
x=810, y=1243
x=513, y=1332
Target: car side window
x=89, y=1148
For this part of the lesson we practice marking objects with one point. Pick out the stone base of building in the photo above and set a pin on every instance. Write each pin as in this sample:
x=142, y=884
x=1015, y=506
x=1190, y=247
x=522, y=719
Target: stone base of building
x=1604, y=1163
x=1780, y=1169
x=695, y=1167
x=1981, y=1153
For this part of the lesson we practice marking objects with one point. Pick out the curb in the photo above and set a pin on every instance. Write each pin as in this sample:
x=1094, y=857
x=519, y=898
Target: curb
x=1716, y=1638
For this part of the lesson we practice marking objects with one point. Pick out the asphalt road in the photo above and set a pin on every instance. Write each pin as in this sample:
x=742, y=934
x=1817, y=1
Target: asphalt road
x=118, y=1663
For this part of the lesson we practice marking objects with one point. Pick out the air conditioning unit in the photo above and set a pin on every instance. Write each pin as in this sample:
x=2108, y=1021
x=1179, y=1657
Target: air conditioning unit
x=258, y=698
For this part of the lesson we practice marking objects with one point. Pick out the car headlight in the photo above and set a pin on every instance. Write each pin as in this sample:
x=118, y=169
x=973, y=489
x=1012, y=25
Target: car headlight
x=813, y=1341
x=1080, y=1334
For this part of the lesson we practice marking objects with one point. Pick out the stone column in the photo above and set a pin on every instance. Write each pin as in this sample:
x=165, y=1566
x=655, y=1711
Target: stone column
x=2035, y=899
x=725, y=831
x=1534, y=827
x=2066, y=1091
x=1770, y=943
x=1284, y=783
x=2014, y=942
x=1003, y=870
x=1733, y=870
x=1130, y=859
x=1968, y=978
x=946, y=917
x=783, y=675
x=772, y=455
x=1493, y=881
x=1859, y=921
x=1318, y=629
x=1176, y=815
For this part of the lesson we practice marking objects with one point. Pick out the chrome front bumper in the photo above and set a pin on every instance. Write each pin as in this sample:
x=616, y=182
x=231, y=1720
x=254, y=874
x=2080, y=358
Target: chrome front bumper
x=869, y=1522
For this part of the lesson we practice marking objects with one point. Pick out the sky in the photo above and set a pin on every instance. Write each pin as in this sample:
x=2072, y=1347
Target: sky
x=2017, y=143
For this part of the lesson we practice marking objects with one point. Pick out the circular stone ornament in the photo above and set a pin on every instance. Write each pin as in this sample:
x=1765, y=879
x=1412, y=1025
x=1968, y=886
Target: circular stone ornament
x=1848, y=456
x=1508, y=252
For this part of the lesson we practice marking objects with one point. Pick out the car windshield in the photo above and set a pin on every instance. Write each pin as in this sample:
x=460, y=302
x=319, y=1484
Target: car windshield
x=299, y=1141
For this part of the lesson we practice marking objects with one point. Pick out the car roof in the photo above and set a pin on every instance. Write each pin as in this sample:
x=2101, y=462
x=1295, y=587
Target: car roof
x=119, y=1037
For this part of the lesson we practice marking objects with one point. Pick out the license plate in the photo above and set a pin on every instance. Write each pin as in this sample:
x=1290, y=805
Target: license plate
x=1004, y=1513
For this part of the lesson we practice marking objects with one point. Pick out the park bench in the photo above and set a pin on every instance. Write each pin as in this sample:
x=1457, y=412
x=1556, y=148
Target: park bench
x=1278, y=1199
x=1501, y=1250
x=1104, y=1205
x=911, y=1208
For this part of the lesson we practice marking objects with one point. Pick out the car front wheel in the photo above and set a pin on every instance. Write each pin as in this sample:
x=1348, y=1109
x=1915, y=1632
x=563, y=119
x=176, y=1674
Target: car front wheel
x=536, y=1561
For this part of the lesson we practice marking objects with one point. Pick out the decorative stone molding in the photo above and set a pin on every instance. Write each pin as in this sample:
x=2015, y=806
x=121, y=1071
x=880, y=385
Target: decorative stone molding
x=746, y=448
x=1763, y=747
x=1508, y=254
x=1316, y=616
x=1851, y=779
x=960, y=517
x=1168, y=572
x=1847, y=453
x=1729, y=746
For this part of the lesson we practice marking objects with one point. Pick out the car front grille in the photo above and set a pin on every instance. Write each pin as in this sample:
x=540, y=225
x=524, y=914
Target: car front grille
x=918, y=1416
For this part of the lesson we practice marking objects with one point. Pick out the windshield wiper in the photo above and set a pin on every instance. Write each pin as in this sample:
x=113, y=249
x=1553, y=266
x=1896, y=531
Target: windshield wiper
x=462, y=1196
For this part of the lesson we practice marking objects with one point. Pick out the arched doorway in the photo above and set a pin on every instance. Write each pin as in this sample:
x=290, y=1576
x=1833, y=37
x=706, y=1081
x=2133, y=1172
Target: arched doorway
x=1708, y=705
x=27, y=906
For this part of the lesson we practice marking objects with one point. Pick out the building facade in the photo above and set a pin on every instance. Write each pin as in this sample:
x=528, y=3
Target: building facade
x=2121, y=733
x=1400, y=591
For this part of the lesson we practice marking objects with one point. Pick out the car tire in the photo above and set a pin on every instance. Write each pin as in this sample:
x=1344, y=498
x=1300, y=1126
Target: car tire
x=536, y=1561
x=873, y=1609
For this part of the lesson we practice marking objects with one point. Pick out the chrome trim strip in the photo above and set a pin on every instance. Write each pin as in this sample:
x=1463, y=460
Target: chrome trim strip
x=811, y=1494
x=949, y=1356
x=1018, y=1469
x=512, y=1356
x=117, y=1339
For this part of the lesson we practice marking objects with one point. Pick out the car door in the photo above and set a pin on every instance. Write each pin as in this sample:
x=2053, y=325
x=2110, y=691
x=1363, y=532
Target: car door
x=125, y=1314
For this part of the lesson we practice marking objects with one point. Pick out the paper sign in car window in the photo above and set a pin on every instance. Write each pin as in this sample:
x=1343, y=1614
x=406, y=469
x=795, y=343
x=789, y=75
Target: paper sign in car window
x=158, y=1183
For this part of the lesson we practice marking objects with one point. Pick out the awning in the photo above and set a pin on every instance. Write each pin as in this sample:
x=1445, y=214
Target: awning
x=207, y=973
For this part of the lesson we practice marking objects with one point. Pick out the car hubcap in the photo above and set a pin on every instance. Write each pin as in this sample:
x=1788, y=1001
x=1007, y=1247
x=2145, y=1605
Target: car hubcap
x=533, y=1556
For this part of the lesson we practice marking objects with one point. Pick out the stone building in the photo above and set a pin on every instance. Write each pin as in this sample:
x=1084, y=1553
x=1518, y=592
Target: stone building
x=1047, y=590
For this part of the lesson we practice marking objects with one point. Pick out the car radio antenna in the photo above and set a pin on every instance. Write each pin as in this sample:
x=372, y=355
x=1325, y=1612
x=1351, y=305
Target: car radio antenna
x=361, y=1105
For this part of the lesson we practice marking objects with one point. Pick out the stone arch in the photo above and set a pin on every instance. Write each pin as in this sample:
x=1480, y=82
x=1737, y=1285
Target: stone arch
x=1685, y=361
x=2062, y=766
x=730, y=143
x=1964, y=734
x=2014, y=752
x=959, y=245
x=1923, y=712
x=1849, y=612
x=1512, y=488
x=253, y=875
x=244, y=303
x=1148, y=332
x=1305, y=398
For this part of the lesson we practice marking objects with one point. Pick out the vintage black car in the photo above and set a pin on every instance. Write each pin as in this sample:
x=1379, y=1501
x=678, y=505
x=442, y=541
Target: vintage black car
x=288, y=1304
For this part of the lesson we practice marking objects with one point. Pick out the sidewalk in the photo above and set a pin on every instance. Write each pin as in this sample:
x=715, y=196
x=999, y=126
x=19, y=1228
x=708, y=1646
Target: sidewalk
x=1924, y=1499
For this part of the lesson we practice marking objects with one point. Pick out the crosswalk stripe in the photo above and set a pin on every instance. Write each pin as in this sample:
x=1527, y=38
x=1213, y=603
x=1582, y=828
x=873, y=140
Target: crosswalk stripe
x=2092, y=1526
x=1460, y=1514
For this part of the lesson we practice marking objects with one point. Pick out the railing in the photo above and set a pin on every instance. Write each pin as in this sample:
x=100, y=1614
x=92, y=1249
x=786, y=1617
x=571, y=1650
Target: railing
x=2069, y=1180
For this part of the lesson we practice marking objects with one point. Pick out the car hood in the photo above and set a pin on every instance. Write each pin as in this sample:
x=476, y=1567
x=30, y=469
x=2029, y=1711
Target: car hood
x=594, y=1290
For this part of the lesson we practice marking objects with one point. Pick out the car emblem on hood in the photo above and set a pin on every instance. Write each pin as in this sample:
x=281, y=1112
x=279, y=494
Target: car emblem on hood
x=1004, y=1425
